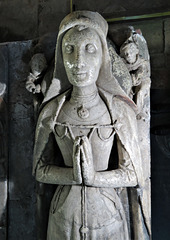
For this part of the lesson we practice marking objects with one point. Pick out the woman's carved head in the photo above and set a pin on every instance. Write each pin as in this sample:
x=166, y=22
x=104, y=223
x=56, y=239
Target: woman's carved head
x=82, y=55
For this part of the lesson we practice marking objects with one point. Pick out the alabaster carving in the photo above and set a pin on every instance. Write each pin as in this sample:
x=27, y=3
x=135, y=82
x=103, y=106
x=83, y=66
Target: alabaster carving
x=38, y=64
x=88, y=117
x=137, y=62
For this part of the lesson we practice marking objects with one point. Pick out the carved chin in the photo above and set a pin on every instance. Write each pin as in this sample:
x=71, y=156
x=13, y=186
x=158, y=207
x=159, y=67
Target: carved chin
x=82, y=79
x=131, y=61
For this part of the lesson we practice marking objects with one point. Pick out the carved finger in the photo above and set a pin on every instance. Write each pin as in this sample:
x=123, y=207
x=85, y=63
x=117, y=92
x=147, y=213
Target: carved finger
x=76, y=146
x=76, y=161
x=86, y=150
x=87, y=168
x=76, y=167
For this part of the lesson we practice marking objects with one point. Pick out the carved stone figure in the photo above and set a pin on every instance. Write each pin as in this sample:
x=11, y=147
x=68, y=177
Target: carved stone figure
x=93, y=122
x=38, y=65
x=139, y=68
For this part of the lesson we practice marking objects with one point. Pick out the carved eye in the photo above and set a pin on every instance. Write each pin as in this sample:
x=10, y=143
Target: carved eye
x=90, y=48
x=69, y=49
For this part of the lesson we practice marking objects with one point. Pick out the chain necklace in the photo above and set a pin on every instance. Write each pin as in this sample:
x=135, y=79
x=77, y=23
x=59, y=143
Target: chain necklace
x=81, y=103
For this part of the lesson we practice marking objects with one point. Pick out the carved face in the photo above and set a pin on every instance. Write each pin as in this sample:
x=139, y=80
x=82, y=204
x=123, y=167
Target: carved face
x=82, y=56
x=130, y=53
x=38, y=64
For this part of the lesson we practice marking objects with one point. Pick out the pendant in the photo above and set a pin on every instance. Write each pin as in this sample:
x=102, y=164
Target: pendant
x=83, y=112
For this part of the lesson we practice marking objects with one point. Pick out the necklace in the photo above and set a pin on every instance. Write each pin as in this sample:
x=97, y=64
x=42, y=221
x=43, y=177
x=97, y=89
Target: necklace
x=83, y=112
x=82, y=103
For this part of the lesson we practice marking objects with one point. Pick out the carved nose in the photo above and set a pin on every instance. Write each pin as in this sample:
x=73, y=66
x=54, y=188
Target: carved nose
x=80, y=64
x=79, y=61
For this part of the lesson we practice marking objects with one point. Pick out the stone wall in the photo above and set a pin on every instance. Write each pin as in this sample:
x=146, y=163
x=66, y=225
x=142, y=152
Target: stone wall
x=28, y=19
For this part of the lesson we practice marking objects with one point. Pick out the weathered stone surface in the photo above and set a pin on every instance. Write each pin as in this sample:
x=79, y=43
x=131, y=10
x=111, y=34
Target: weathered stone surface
x=50, y=14
x=21, y=185
x=22, y=218
x=18, y=20
x=34, y=18
x=160, y=168
x=3, y=140
x=160, y=102
x=161, y=184
x=167, y=58
x=3, y=209
x=3, y=235
x=12, y=29
x=152, y=30
x=160, y=79
x=3, y=203
x=167, y=35
x=158, y=60
x=122, y=8
x=82, y=53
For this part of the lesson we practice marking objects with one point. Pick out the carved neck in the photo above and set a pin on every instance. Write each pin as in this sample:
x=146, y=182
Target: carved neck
x=84, y=95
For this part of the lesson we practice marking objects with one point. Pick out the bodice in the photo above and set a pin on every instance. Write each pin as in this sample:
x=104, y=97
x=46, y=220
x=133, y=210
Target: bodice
x=99, y=131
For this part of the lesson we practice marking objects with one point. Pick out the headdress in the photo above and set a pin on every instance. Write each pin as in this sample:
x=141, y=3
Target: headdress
x=106, y=80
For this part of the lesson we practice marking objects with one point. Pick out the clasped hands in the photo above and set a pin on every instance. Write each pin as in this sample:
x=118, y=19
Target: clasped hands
x=83, y=168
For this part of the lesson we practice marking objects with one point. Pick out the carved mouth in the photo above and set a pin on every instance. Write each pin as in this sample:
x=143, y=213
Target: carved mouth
x=81, y=75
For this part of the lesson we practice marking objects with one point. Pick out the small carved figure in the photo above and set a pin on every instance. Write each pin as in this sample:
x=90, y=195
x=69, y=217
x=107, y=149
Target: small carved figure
x=38, y=65
x=85, y=121
x=139, y=69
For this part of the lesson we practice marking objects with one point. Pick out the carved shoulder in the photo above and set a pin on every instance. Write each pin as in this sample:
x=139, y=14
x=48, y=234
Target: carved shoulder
x=124, y=108
x=47, y=115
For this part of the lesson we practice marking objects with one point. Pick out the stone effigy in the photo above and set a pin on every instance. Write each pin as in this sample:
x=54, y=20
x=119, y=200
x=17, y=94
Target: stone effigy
x=88, y=117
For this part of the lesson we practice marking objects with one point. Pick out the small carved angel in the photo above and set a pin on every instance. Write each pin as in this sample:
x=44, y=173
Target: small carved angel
x=139, y=69
x=38, y=66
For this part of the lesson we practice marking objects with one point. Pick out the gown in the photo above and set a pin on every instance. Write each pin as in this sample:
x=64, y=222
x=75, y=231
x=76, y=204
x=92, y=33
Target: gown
x=81, y=212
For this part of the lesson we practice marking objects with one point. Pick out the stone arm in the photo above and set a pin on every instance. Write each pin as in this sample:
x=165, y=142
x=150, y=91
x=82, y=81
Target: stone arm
x=124, y=176
x=137, y=77
x=31, y=84
x=141, y=73
x=142, y=92
x=47, y=172
x=44, y=168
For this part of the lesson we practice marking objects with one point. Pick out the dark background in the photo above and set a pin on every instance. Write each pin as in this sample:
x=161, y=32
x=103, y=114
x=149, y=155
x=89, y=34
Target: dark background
x=28, y=19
